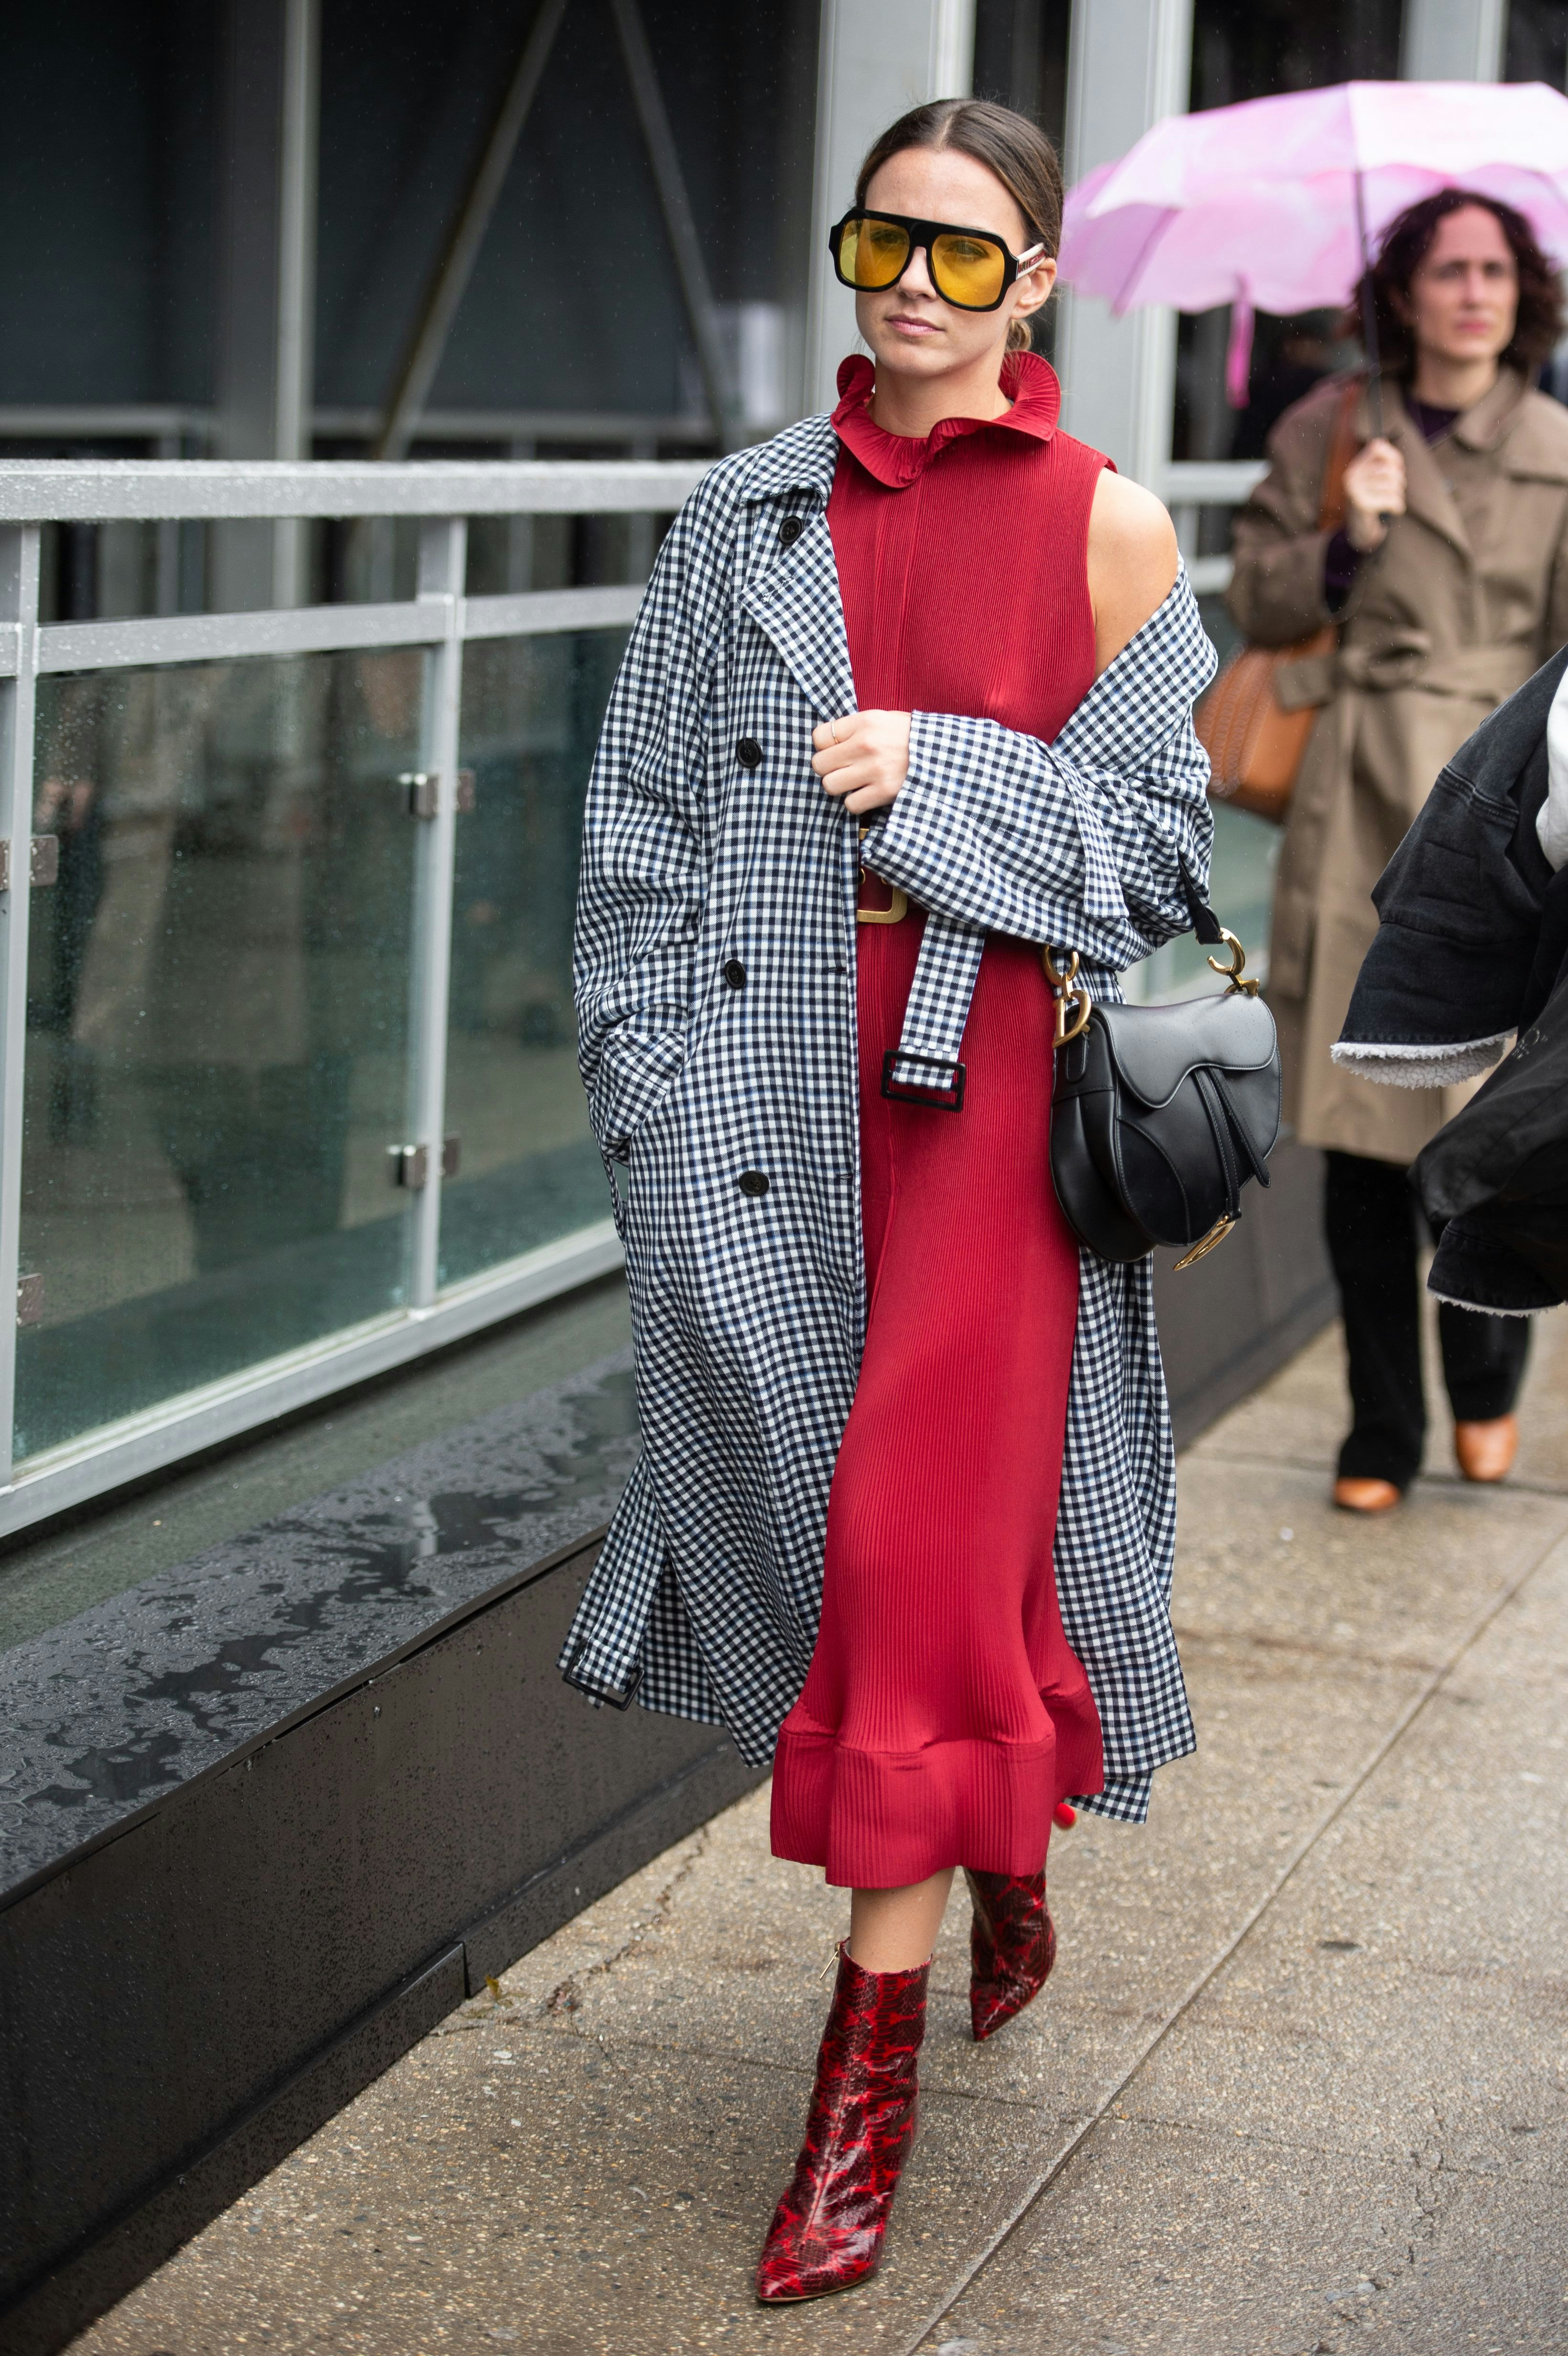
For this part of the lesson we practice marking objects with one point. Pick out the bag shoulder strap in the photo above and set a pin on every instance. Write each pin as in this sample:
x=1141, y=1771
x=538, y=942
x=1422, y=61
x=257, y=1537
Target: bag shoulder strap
x=1205, y=923
x=1213, y=936
x=1342, y=447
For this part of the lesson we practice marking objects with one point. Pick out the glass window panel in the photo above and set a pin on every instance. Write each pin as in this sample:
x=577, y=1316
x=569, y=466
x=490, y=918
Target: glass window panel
x=218, y=1016
x=1241, y=892
x=529, y=1172
x=1537, y=42
x=1256, y=48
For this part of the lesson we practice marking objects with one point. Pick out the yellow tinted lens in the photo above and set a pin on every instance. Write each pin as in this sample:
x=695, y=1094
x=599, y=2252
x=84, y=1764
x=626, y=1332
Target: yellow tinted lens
x=872, y=253
x=968, y=269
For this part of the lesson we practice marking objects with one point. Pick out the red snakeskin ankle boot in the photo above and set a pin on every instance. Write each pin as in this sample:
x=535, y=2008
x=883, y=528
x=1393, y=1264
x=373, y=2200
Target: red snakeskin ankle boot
x=828, y=2230
x=1012, y=1946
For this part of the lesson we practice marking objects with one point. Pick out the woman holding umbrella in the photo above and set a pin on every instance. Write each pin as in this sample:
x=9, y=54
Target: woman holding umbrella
x=1448, y=582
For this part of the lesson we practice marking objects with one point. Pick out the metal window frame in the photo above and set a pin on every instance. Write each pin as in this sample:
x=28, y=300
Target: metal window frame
x=441, y=618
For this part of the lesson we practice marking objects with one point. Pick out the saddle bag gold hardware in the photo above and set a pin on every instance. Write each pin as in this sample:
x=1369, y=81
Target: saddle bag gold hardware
x=1066, y=995
x=1248, y=988
x=1206, y=1244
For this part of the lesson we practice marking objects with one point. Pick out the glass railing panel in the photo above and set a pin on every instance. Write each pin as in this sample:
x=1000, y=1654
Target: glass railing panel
x=219, y=1023
x=1240, y=891
x=529, y=1172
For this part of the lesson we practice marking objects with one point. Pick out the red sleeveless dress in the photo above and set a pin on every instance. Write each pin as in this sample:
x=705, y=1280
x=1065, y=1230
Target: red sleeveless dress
x=944, y=1713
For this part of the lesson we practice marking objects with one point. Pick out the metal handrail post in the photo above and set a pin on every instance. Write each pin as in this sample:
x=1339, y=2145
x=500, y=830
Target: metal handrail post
x=444, y=556
x=18, y=695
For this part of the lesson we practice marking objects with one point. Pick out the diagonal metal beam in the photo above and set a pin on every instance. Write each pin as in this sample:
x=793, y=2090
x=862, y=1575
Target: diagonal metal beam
x=428, y=342
x=679, y=225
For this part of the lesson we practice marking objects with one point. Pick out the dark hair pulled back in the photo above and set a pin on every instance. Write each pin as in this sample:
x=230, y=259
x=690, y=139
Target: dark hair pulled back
x=1007, y=143
x=1405, y=246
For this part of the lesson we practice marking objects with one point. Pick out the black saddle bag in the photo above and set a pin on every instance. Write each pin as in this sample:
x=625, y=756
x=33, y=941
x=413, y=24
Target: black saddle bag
x=1160, y=1115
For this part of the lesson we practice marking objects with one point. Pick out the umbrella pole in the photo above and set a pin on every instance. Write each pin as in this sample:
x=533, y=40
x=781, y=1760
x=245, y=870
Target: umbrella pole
x=1369, y=315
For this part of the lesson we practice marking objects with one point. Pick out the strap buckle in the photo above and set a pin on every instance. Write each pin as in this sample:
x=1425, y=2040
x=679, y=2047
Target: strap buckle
x=948, y=1098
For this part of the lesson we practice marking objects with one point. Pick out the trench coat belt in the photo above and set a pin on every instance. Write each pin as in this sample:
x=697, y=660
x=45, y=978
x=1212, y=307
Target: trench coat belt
x=1402, y=658
x=945, y=975
x=938, y=1007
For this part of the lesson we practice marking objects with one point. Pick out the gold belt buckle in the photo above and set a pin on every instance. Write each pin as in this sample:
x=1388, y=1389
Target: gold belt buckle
x=897, y=910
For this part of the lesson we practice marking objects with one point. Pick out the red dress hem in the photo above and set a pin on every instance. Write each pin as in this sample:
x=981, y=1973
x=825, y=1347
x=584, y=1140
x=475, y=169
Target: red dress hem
x=884, y=1819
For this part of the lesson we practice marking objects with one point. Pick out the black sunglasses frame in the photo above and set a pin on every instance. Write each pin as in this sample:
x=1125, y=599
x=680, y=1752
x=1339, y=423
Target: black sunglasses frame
x=920, y=234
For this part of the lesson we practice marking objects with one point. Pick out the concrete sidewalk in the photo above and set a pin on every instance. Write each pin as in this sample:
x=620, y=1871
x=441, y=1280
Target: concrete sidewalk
x=1299, y=2083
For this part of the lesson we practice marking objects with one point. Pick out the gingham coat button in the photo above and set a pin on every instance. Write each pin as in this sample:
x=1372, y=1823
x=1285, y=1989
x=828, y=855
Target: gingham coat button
x=789, y=531
x=735, y=974
x=748, y=752
x=754, y=1181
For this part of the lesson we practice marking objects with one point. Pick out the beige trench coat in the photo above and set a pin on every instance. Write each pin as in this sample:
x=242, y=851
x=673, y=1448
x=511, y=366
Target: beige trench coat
x=1467, y=597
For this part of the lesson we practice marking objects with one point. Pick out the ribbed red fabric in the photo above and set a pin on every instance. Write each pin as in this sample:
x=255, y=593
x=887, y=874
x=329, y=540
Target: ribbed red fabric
x=944, y=1713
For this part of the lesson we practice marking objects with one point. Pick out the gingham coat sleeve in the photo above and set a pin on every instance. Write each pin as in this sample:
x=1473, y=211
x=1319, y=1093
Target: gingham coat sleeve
x=1075, y=842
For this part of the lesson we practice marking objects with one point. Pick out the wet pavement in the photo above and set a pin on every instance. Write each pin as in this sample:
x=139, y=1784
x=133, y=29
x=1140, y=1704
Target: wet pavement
x=1298, y=2085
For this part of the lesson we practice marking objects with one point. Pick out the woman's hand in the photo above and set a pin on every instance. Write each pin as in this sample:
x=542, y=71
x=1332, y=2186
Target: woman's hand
x=1374, y=490
x=863, y=757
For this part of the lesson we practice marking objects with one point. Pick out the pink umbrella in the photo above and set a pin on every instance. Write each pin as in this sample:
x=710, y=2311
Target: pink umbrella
x=1274, y=202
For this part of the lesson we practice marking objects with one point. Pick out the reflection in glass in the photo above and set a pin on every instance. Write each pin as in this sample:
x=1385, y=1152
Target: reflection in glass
x=1241, y=892
x=218, y=1012
x=531, y=714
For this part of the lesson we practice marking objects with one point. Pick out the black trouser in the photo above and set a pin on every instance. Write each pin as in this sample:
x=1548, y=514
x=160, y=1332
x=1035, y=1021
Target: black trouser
x=1373, y=1226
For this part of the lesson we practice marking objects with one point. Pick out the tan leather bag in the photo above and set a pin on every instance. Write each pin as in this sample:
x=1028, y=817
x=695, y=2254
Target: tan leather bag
x=1254, y=744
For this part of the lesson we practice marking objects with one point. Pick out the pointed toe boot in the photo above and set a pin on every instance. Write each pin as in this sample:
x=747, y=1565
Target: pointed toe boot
x=1012, y=1946
x=828, y=2230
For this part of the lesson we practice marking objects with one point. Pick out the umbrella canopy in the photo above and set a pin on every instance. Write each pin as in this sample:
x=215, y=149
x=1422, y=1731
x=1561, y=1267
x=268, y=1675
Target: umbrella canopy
x=1258, y=203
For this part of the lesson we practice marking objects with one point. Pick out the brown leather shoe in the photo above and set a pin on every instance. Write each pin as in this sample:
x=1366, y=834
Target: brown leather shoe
x=1366, y=1496
x=1487, y=1450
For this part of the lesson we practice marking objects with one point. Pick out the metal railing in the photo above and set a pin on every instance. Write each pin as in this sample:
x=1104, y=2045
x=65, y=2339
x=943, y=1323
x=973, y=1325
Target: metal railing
x=441, y=621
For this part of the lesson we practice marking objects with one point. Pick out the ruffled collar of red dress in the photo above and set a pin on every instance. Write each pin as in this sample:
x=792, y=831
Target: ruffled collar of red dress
x=898, y=459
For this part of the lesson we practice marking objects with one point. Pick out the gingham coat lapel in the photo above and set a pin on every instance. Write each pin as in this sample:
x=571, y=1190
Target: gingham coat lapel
x=792, y=589
x=710, y=849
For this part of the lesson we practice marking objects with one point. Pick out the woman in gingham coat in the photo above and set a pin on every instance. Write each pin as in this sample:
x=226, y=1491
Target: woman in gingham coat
x=909, y=697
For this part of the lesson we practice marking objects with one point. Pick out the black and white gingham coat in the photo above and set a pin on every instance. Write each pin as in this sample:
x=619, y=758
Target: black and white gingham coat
x=748, y=1305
